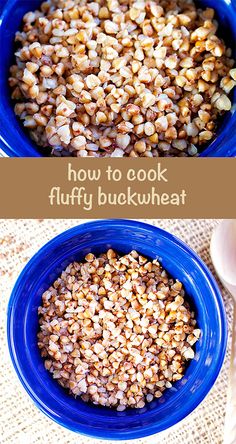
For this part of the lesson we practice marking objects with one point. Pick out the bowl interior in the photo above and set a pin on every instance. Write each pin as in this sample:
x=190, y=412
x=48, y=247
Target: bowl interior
x=181, y=263
x=14, y=140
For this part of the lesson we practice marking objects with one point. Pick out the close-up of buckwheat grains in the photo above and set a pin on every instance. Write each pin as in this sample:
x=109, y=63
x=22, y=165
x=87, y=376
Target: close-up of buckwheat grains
x=114, y=78
x=116, y=330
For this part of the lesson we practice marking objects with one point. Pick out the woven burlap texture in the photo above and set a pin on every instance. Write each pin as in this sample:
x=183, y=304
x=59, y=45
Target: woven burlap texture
x=20, y=421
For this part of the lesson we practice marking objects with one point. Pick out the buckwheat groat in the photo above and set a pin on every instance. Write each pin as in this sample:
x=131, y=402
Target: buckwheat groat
x=116, y=330
x=121, y=78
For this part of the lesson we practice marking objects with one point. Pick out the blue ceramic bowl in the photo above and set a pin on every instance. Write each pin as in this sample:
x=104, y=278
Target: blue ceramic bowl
x=182, y=263
x=15, y=142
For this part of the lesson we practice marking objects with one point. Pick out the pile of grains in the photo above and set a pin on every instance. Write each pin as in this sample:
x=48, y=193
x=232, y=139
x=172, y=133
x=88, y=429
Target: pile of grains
x=121, y=78
x=116, y=330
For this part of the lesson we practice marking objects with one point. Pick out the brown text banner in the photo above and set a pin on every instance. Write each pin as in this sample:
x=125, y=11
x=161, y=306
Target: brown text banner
x=131, y=188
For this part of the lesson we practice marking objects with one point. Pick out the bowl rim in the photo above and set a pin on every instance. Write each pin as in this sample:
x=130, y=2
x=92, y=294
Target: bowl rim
x=219, y=352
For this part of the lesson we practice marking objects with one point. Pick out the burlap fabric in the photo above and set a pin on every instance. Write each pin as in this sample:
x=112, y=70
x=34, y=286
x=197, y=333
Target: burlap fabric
x=20, y=421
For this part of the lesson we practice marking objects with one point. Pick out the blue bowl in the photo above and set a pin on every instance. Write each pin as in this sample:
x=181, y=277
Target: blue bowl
x=182, y=263
x=15, y=142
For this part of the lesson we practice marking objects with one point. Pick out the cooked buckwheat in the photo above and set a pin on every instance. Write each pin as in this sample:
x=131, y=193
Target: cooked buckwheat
x=130, y=77
x=116, y=331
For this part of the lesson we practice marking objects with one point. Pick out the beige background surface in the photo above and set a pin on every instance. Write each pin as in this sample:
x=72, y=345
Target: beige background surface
x=20, y=421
